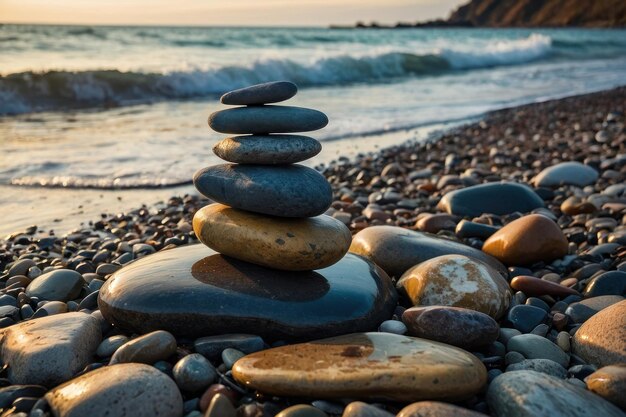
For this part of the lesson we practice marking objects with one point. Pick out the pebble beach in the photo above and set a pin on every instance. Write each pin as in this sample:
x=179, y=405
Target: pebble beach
x=485, y=275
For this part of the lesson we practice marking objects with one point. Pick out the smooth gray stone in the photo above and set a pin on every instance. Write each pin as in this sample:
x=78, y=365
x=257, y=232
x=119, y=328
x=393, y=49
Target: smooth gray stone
x=583, y=310
x=267, y=149
x=110, y=345
x=284, y=191
x=537, y=347
x=193, y=291
x=49, y=350
x=607, y=283
x=396, y=249
x=149, y=348
x=194, y=373
x=123, y=390
x=545, y=366
x=272, y=92
x=57, y=285
x=212, y=346
x=230, y=356
x=267, y=119
x=572, y=172
x=534, y=394
x=494, y=198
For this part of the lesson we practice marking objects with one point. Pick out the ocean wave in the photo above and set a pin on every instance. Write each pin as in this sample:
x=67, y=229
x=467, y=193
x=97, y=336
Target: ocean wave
x=72, y=182
x=59, y=90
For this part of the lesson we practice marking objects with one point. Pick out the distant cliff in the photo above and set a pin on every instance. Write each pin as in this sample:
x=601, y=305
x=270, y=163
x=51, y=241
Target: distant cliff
x=534, y=13
x=526, y=13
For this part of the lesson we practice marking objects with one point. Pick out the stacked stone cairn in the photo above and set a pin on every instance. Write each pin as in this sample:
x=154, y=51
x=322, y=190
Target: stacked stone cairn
x=269, y=209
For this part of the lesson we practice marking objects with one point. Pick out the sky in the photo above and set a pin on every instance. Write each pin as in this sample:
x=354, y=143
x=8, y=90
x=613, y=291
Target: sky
x=223, y=12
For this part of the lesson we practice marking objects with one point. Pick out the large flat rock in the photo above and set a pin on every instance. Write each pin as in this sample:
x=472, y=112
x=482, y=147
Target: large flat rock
x=193, y=291
x=49, y=350
x=267, y=149
x=267, y=119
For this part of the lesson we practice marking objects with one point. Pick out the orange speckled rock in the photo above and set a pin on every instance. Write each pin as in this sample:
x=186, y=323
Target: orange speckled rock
x=601, y=340
x=457, y=281
x=437, y=409
x=609, y=383
x=276, y=242
x=364, y=366
x=527, y=240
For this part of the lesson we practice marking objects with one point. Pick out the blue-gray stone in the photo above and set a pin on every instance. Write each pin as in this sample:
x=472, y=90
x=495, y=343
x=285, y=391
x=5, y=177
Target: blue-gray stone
x=607, y=283
x=194, y=373
x=192, y=291
x=526, y=317
x=267, y=149
x=212, y=346
x=57, y=285
x=537, y=347
x=494, y=198
x=545, y=366
x=583, y=310
x=471, y=229
x=284, y=190
x=572, y=172
x=267, y=119
x=272, y=92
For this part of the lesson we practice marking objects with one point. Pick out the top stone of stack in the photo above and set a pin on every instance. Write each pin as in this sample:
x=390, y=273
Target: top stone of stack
x=272, y=92
x=257, y=118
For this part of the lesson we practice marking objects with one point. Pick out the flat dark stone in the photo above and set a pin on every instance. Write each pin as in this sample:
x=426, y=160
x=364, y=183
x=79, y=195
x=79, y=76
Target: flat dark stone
x=282, y=190
x=267, y=149
x=192, y=291
x=494, y=198
x=526, y=317
x=607, y=283
x=271, y=92
x=267, y=119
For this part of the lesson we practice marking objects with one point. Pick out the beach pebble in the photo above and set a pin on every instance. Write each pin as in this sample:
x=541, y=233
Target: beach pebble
x=436, y=409
x=268, y=149
x=49, y=350
x=271, y=92
x=433, y=223
x=230, y=356
x=301, y=410
x=609, y=382
x=281, y=190
x=109, y=345
x=396, y=249
x=532, y=286
x=530, y=393
x=572, y=172
x=57, y=285
x=149, y=348
x=211, y=294
x=267, y=119
x=527, y=240
x=601, y=340
x=379, y=365
x=582, y=311
x=526, y=317
x=123, y=390
x=212, y=391
x=494, y=198
x=457, y=281
x=288, y=244
x=537, y=347
x=194, y=373
x=21, y=267
x=361, y=409
x=467, y=229
x=545, y=366
x=392, y=326
x=211, y=347
x=607, y=283
x=467, y=329
x=220, y=406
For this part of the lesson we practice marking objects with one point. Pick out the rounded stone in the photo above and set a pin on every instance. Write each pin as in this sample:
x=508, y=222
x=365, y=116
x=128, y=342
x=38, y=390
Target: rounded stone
x=396, y=249
x=194, y=373
x=268, y=149
x=532, y=394
x=467, y=329
x=282, y=190
x=109, y=345
x=211, y=347
x=192, y=291
x=572, y=172
x=272, y=92
x=437, y=409
x=457, y=281
x=609, y=383
x=267, y=119
x=301, y=410
x=57, y=285
x=364, y=366
x=220, y=406
x=607, y=283
x=361, y=409
x=532, y=287
x=601, y=340
x=275, y=242
x=149, y=348
x=583, y=310
x=493, y=198
x=545, y=366
x=526, y=317
x=124, y=390
x=527, y=240
x=533, y=346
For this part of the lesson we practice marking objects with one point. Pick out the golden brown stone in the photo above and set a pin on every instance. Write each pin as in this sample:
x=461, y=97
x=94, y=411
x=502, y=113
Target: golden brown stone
x=437, y=409
x=457, y=281
x=364, y=366
x=275, y=242
x=609, y=383
x=527, y=240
